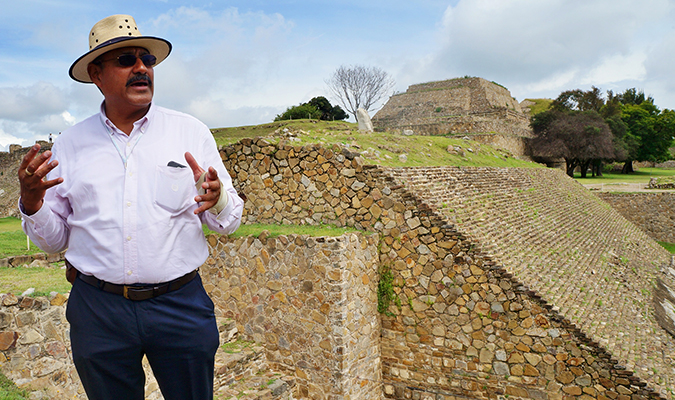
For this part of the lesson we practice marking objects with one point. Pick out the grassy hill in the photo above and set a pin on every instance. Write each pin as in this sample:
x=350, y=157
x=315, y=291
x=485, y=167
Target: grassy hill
x=383, y=148
x=539, y=105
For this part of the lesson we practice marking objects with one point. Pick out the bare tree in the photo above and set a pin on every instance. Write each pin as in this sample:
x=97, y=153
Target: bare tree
x=359, y=87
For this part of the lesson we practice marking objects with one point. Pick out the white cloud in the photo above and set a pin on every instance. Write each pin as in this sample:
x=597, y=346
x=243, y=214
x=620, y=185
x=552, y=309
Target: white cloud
x=547, y=44
x=6, y=139
x=26, y=103
x=231, y=66
x=617, y=68
x=227, y=65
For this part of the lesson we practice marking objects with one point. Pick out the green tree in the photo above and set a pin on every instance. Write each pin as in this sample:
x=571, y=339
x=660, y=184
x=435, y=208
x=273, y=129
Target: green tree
x=317, y=108
x=302, y=111
x=650, y=131
x=328, y=112
x=641, y=131
x=580, y=138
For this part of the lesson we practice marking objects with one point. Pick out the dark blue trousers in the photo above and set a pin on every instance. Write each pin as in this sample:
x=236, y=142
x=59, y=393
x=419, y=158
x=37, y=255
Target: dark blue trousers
x=109, y=335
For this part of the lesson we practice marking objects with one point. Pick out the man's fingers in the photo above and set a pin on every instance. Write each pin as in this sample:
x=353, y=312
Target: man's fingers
x=194, y=166
x=30, y=155
x=39, y=165
x=205, y=205
x=212, y=174
x=52, y=183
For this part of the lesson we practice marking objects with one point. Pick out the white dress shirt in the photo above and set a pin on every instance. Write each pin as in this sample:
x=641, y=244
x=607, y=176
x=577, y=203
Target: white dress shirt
x=123, y=214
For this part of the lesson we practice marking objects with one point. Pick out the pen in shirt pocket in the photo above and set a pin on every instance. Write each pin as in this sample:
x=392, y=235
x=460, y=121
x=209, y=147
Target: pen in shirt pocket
x=175, y=165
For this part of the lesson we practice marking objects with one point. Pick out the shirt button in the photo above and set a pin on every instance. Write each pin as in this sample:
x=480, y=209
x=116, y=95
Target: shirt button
x=128, y=204
x=128, y=144
x=131, y=174
x=128, y=238
x=129, y=272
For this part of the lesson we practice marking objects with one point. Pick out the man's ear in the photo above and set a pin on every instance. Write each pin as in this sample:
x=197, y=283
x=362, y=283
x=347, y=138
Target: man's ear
x=94, y=71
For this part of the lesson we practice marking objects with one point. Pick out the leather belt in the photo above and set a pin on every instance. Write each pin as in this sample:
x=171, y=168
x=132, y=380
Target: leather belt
x=135, y=292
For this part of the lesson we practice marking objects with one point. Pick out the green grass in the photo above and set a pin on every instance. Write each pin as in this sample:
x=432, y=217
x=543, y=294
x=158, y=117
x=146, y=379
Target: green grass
x=668, y=246
x=381, y=148
x=10, y=224
x=226, y=136
x=236, y=346
x=14, y=241
x=539, y=105
x=278, y=230
x=9, y=391
x=641, y=176
x=44, y=280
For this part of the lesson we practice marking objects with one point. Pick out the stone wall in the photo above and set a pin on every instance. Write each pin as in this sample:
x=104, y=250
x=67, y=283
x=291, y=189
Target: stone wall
x=310, y=302
x=516, y=145
x=467, y=105
x=35, y=347
x=511, y=283
x=654, y=213
x=9, y=182
x=469, y=324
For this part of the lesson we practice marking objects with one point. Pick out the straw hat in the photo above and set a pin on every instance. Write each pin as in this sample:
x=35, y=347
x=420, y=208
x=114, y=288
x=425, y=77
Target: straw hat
x=112, y=33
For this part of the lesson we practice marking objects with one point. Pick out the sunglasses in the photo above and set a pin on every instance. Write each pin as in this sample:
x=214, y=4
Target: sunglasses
x=129, y=60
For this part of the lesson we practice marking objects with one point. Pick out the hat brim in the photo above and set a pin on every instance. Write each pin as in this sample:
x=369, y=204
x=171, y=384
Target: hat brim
x=158, y=47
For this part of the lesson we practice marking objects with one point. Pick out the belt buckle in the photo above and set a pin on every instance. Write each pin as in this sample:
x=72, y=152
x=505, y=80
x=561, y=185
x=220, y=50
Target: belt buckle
x=126, y=292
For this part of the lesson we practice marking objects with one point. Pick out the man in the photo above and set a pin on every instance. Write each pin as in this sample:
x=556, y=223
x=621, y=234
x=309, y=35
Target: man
x=125, y=192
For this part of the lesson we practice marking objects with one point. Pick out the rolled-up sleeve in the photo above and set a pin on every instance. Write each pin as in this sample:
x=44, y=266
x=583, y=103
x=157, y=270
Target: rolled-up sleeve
x=47, y=229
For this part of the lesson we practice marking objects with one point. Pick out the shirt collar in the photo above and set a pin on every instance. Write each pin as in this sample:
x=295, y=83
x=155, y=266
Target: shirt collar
x=142, y=124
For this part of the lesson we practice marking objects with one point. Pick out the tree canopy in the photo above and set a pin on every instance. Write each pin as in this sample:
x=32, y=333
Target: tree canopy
x=317, y=108
x=639, y=131
x=578, y=137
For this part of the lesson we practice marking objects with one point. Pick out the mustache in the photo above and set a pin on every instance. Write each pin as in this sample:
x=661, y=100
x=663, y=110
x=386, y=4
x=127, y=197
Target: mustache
x=137, y=78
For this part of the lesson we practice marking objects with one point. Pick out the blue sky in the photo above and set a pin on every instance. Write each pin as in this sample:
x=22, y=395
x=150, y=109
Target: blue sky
x=243, y=62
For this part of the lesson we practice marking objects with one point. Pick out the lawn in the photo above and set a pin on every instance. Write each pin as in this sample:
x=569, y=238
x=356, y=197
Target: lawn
x=14, y=241
x=643, y=175
x=381, y=148
x=668, y=246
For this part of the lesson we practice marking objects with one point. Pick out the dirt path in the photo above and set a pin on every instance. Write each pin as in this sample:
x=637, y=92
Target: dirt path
x=624, y=187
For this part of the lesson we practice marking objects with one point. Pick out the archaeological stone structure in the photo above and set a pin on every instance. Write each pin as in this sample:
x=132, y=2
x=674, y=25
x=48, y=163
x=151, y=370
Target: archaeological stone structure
x=492, y=283
x=654, y=213
x=9, y=182
x=455, y=106
x=513, y=282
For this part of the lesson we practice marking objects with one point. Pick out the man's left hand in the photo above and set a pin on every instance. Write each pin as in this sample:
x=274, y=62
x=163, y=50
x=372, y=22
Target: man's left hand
x=211, y=184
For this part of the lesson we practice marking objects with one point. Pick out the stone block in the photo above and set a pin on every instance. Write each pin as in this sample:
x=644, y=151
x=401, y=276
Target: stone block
x=8, y=340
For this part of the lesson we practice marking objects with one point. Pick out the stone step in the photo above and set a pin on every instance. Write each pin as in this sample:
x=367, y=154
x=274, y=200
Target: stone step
x=242, y=372
x=264, y=385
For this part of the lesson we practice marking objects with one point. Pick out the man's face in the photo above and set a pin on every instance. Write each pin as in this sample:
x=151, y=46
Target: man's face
x=124, y=88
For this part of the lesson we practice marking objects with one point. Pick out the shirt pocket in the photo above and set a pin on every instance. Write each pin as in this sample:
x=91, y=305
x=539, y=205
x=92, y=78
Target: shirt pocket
x=174, y=188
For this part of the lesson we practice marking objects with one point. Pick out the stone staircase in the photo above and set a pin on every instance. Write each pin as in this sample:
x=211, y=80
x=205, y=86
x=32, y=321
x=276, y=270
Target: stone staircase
x=565, y=245
x=241, y=372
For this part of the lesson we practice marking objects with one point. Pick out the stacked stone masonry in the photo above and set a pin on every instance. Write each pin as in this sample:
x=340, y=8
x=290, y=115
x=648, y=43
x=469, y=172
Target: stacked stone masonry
x=513, y=283
x=309, y=305
x=558, y=309
x=465, y=105
x=9, y=181
x=310, y=302
x=654, y=213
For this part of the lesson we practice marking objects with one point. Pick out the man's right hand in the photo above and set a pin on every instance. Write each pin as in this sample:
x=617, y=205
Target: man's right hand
x=34, y=167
